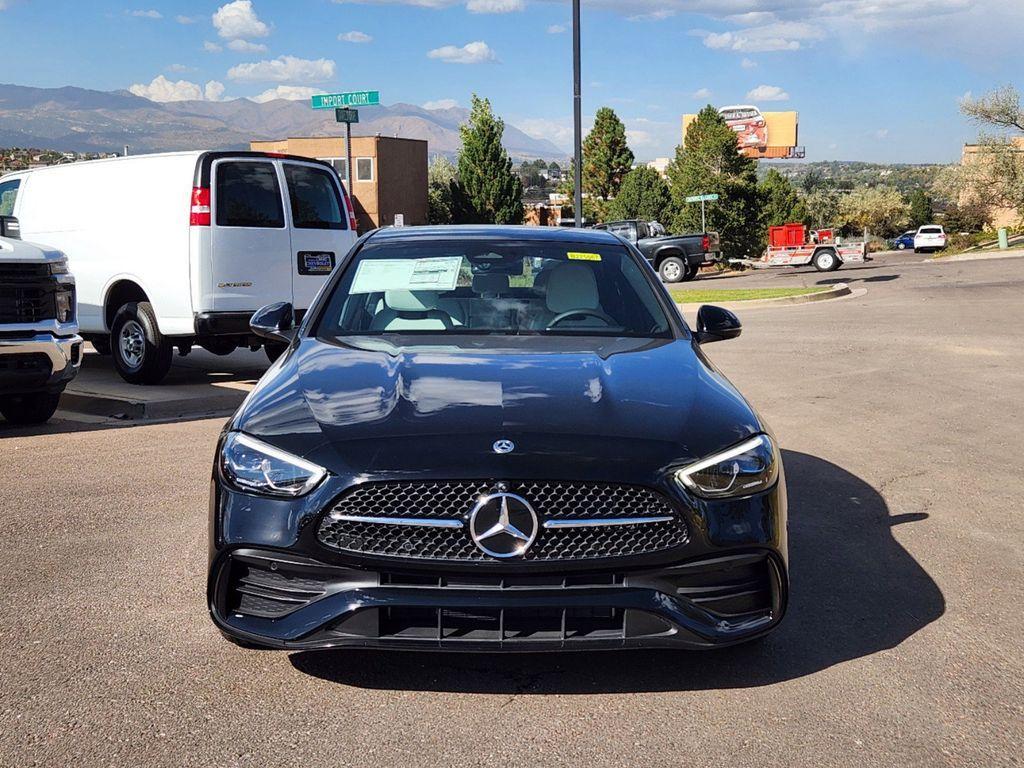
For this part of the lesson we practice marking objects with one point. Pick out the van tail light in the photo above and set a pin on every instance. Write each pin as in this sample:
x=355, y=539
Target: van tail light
x=199, y=213
x=350, y=207
x=705, y=243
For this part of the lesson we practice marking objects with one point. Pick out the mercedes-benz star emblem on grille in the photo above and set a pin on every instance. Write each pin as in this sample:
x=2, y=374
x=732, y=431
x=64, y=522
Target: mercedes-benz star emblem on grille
x=504, y=446
x=503, y=525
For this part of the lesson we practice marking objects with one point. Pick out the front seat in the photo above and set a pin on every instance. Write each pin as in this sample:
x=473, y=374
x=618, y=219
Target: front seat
x=571, y=286
x=411, y=311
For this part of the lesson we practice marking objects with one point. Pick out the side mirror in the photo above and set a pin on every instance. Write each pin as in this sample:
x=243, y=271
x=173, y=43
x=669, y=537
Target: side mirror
x=716, y=324
x=274, y=321
x=9, y=227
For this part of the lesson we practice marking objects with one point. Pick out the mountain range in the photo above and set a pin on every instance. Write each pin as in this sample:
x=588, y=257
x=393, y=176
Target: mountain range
x=81, y=120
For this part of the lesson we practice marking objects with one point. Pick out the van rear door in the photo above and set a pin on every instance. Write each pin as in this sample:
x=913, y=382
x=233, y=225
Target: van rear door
x=251, y=260
x=321, y=227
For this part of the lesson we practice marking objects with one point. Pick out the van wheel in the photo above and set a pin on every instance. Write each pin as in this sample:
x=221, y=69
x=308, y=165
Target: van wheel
x=274, y=350
x=141, y=354
x=672, y=270
x=33, y=408
x=826, y=261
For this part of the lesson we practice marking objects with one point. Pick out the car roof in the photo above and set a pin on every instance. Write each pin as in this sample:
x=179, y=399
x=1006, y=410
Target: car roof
x=508, y=232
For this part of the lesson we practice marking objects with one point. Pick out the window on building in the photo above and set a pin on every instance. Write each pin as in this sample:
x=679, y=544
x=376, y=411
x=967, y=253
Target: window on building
x=364, y=169
x=340, y=165
x=248, y=195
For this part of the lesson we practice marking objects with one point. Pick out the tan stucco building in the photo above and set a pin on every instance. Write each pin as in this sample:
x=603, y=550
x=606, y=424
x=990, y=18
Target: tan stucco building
x=974, y=155
x=389, y=175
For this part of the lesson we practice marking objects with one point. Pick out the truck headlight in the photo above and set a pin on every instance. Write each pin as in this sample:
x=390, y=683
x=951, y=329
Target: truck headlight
x=253, y=466
x=747, y=468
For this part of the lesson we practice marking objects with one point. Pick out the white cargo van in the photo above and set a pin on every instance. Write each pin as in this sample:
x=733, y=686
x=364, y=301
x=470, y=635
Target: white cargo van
x=171, y=250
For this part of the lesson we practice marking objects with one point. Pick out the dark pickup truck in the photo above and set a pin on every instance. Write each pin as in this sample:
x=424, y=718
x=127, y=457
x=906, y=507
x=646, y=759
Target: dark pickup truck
x=676, y=257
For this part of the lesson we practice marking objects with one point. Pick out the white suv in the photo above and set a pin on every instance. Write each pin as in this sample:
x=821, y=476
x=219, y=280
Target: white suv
x=930, y=237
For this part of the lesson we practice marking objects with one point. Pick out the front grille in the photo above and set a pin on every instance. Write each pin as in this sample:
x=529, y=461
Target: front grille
x=26, y=293
x=603, y=505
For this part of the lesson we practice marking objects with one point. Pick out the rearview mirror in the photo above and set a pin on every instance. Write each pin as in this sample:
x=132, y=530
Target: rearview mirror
x=716, y=324
x=274, y=321
x=9, y=227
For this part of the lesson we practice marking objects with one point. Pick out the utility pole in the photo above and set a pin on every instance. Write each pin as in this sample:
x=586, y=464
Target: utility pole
x=577, y=204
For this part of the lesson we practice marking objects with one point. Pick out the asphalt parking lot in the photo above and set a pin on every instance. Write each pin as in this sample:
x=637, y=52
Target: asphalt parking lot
x=900, y=414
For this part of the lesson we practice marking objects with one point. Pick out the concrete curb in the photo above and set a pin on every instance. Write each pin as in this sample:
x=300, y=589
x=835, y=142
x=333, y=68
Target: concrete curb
x=138, y=408
x=1011, y=254
x=838, y=291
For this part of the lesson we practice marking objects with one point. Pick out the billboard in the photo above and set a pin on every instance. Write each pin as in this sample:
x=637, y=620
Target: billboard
x=760, y=134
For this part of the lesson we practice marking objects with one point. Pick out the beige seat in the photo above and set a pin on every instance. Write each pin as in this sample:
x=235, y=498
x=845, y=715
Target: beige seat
x=411, y=311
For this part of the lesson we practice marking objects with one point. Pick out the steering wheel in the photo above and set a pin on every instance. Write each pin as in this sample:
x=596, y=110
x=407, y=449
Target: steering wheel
x=581, y=313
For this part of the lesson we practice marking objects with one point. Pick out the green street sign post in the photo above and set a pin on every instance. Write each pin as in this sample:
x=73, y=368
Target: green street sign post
x=351, y=99
x=341, y=103
x=702, y=199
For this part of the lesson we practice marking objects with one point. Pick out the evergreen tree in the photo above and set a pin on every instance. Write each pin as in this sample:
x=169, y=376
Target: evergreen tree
x=606, y=156
x=921, y=212
x=780, y=203
x=643, y=195
x=709, y=162
x=487, y=191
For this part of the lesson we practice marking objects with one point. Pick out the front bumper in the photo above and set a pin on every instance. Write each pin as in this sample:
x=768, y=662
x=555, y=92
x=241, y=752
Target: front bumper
x=38, y=362
x=285, y=601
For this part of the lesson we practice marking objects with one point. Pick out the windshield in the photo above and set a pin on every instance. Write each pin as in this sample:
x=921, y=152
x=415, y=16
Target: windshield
x=482, y=286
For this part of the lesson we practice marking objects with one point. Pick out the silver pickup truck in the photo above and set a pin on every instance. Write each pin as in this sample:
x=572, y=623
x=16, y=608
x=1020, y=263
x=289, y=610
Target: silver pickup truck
x=40, y=349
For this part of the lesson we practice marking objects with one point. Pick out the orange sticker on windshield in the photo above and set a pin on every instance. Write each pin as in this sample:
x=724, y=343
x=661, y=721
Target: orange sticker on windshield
x=584, y=256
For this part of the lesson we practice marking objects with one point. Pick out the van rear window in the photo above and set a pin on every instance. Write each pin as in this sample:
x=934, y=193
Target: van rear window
x=248, y=195
x=314, y=196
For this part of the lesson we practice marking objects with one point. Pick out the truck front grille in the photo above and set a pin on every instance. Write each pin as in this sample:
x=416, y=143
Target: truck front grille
x=26, y=293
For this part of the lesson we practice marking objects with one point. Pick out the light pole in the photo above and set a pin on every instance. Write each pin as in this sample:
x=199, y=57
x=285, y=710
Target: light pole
x=577, y=204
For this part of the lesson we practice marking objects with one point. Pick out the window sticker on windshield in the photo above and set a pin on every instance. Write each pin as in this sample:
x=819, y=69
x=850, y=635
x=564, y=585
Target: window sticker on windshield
x=584, y=256
x=379, y=275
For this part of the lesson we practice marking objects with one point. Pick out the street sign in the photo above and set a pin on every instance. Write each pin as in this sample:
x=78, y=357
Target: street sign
x=352, y=99
x=344, y=115
x=702, y=199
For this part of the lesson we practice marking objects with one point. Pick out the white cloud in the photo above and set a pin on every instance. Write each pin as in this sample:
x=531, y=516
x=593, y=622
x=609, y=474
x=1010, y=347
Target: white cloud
x=245, y=46
x=181, y=19
x=161, y=89
x=557, y=131
x=557, y=29
x=767, y=93
x=288, y=92
x=702, y=93
x=494, y=6
x=211, y=47
x=659, y=14
x=238, y=20
x=748, y=63
x=146, y=14
x=179, y=68
x=441, y=104
x=354, y=36
x=213, y=90
x=881, y=134
x=639, y=138
x=778, y=36
x=471, y=53
x=284, y=69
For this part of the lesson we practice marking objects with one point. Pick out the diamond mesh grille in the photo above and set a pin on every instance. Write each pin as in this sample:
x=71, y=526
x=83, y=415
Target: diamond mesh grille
x=455, y=500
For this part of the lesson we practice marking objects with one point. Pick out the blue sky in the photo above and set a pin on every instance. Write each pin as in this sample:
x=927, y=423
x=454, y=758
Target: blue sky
x=875, y=80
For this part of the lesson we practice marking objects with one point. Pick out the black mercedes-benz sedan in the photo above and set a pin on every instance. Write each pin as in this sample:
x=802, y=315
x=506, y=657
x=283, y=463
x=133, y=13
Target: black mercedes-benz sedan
x=496, y=438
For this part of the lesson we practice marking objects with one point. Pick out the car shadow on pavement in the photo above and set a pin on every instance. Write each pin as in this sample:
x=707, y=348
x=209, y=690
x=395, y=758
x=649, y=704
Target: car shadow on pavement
x=872, y=279
x=855, y=591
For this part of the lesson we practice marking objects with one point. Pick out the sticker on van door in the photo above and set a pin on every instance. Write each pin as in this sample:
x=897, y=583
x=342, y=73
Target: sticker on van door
x=316, y=262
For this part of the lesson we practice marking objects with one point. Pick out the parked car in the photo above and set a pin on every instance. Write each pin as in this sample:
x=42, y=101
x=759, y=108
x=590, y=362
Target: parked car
x=40, y=349
x=675, y=257
x=747, y=123
x=177, y=249
x=904, y=241
x=462, y=450
x=929, y=238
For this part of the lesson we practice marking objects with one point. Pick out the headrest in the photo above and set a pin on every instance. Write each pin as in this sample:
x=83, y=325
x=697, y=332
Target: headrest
x=409, y=301
x=571, y=286
x=490, y=282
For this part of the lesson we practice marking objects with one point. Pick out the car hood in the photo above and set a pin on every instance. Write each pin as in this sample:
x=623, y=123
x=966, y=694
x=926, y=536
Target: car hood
x=378, y=407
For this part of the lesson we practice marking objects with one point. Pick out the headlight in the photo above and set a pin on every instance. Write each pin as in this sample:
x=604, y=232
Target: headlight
x=748, y=468
x=254, y=466
x=65, y=298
